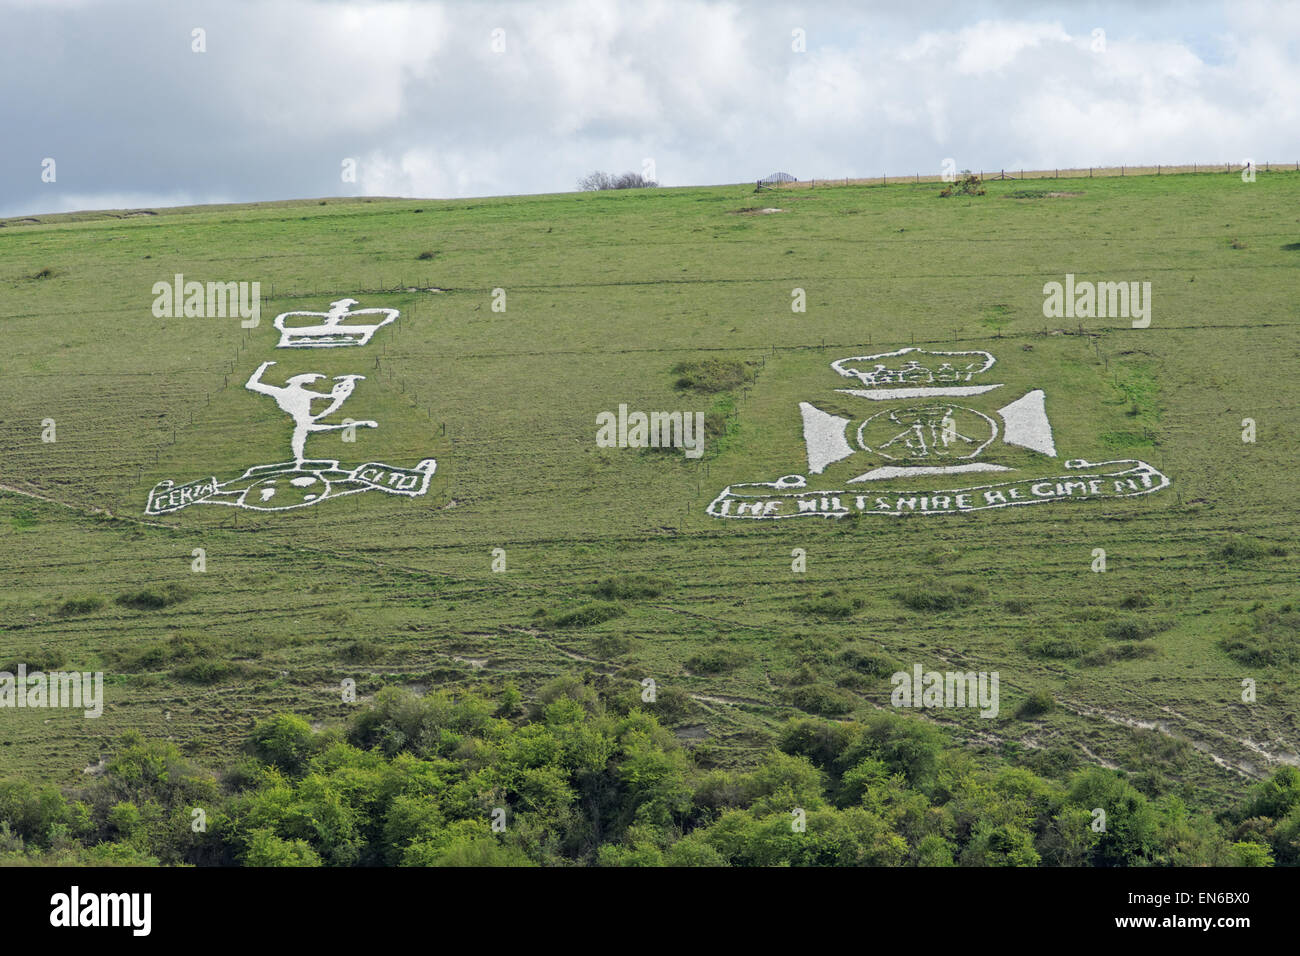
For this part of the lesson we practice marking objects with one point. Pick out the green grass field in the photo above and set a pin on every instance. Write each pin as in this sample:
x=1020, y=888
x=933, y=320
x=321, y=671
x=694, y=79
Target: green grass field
x=607, y=294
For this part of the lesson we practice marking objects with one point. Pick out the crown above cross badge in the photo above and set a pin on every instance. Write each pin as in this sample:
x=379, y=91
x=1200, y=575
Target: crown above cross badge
x=338, y=327
x=915, y=373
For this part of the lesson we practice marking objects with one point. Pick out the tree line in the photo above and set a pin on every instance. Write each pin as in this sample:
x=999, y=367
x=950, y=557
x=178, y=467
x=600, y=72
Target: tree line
x=577, y=778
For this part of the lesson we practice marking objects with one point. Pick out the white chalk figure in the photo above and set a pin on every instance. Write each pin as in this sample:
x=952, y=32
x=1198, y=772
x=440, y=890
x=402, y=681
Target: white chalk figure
x=926, y=431
x=337, y=329
x=302, y=481
x=921, y=440
x=296, y=400
x=924, y=373
x=1027, y=424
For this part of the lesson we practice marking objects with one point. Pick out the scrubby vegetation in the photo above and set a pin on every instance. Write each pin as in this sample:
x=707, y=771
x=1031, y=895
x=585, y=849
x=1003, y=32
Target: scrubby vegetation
x=580, y=779
x=714, y=375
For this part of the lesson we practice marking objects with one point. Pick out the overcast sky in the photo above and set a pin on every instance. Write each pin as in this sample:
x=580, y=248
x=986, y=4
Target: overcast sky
x=711, y=92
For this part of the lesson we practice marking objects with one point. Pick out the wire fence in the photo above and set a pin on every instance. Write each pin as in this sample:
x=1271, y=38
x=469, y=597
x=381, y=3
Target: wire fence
x=1074, y=172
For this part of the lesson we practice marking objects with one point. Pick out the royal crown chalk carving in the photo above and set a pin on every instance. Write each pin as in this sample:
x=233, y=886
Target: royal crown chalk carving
x=922, y=434
x=339, y=327
x=301, y=482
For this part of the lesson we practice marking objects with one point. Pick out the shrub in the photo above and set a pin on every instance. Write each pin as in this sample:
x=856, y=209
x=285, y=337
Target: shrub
x=629, y=586
x=210, y=672
x=80, y=605
x=832, y=604
x=939, y=597
x=716, y=660
x=969, y=185
x=360, y=652
x=714, y=375
x=1238, y=548
x=1036, y=704
x=1130, y=629
x=40, y=659
x=1057, y=648
x=149, y=600
x=597, y=612
x=283, y=740
x=1271, y=638
x=1120, y=652
x=868, y=661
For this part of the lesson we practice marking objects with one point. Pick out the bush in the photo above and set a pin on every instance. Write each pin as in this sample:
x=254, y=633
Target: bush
x=36, y=659
x=1130, y=629
x=360, y=652
x=80, y=605
x=868, y=661
x=716, y=660
x=714, y=375
x=149, y=600
x=211, y=672
x=285, y=741
x=1057, y=648
x=1036, y=704
x=1238, y=549
x=1271, y=638
x=1120, y=652
x=267, y=849
x=970, y=185
x=939, y=597
x=629, y=586
x=832, y=604
x=597, y=612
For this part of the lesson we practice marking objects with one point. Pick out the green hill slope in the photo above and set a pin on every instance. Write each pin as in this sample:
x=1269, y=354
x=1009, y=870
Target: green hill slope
x=613, y=567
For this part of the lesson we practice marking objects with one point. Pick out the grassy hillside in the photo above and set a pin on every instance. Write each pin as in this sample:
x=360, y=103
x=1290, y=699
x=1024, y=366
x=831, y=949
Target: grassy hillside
x=608, y=296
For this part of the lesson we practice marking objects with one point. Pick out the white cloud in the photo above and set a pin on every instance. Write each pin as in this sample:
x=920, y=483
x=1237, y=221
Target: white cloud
x=711, y=91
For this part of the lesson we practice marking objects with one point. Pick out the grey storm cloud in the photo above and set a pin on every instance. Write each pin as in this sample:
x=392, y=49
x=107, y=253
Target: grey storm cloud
x=465, y=99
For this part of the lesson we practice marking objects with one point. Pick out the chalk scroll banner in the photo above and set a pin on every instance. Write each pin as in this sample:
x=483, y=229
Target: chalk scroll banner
x=1089, y=480
x=291, y=485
